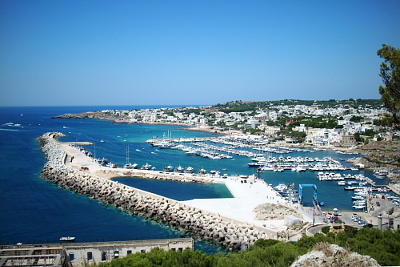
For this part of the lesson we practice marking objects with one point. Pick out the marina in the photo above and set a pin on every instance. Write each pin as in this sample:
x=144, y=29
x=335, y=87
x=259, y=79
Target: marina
x=115, y=159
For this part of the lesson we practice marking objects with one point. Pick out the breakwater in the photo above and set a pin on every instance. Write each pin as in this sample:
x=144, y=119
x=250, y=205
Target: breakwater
x=206, y=225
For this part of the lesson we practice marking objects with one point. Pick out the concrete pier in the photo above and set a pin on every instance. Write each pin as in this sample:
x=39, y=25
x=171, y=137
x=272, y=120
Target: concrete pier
x=228, y=232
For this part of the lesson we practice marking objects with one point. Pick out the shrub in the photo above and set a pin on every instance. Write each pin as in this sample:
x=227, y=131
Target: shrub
x=326, y=229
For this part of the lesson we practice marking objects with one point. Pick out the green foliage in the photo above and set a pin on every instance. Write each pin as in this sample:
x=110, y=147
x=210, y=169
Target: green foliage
x=384, y=246
x=196, y=111
x=356, y=118
x=297, y=136
x=253, y=131
x=358, y=137
x=387, y=120
x=241, y=106
x=169, y=113
x=326, y=229
x=369, y=132
x=390, y=74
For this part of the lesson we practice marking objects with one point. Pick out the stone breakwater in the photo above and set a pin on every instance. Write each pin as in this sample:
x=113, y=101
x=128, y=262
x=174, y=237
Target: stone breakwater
x=206, y=225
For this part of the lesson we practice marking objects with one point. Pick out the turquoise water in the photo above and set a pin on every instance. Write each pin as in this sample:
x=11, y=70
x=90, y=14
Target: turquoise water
x=177, y=190
x=36, y=211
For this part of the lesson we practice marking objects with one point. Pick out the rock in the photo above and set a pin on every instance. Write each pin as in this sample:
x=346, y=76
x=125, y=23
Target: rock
x=329, y=255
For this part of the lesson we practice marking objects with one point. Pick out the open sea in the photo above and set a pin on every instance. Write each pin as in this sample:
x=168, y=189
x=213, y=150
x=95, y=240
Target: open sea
x=33, y=210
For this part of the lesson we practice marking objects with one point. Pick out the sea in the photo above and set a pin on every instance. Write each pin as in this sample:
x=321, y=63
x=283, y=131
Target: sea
x=33, y=210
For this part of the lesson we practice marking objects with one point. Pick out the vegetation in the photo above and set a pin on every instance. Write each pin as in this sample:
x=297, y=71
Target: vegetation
x=356, y=118
x=390, y=74
x=388, y=120
x=242, y=106
x=326, y=229
x=196, y=111
x=384, y=246
x=295, y=135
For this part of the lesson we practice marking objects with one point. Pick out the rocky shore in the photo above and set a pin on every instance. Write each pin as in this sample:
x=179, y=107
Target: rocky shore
x=229, y=233
x=380, y=154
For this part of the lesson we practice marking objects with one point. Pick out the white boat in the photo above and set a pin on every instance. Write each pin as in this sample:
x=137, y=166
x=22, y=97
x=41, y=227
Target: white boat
x=131, y=166
x=359, y=207
x=146, y=166
x=381, y=173
x=67, y=238
x=179, y=169
x=358, y=198
x=169, y=168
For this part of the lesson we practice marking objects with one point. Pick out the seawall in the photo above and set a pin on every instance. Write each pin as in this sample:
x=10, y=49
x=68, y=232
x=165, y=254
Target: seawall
x=206, y=225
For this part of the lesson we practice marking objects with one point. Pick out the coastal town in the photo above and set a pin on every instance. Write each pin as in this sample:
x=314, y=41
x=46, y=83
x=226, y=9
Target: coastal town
x=200, y=133
x=348, y=125
x=341, y=123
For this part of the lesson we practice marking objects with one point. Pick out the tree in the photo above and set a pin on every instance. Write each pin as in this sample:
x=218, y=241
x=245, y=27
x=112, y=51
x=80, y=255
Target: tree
x=390, y=74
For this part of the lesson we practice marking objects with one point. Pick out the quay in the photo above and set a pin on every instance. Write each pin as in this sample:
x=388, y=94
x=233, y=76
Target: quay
x=180, y=140
x=395, y=188
x=83, y=254
x=221, y=222
x=246, y=196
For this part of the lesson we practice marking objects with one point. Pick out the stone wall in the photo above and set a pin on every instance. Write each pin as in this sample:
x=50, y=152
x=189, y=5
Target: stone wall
x=206, y=225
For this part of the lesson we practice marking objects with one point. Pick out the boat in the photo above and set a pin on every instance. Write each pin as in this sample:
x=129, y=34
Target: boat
x=131, y=166
x=202, y=171
x=146, y=166
x=189, y=169
x=359, y=207
x=101, y=141
x=381, y=173
x=179, y=169
x=169, y=168
x=67, y=238
x=357, y=197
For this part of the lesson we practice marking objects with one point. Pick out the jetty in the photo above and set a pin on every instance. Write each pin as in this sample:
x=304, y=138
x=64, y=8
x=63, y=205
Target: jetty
x=69, y=168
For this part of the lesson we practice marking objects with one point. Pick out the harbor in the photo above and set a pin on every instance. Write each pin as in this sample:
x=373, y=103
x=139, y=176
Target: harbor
x=249, y=192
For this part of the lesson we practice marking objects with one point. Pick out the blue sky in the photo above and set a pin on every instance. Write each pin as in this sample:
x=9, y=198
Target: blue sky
x=191, y=52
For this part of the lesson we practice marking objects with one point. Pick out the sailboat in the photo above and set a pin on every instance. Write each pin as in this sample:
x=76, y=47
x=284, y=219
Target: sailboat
x=129, y=165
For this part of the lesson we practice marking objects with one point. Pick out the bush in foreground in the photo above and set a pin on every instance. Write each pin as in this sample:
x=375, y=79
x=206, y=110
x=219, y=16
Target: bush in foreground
x=384, y=246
